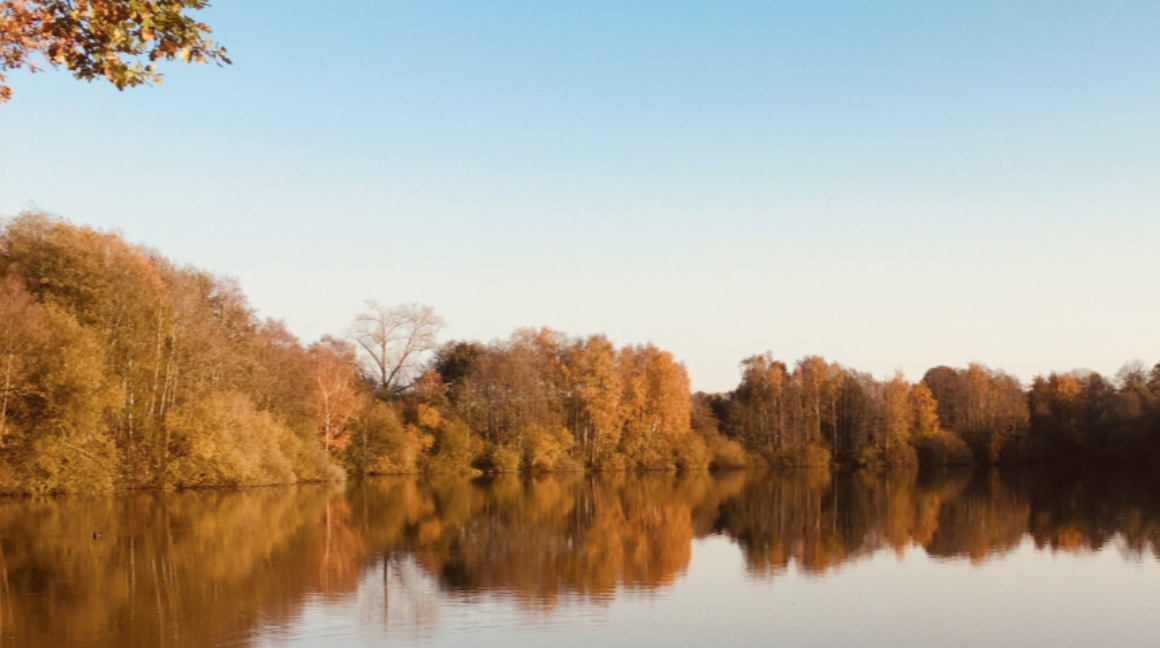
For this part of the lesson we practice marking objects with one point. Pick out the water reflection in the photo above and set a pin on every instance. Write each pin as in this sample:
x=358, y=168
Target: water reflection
x=223, y=568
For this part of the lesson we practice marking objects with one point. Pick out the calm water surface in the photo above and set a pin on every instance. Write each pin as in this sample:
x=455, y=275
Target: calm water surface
x=806, y=558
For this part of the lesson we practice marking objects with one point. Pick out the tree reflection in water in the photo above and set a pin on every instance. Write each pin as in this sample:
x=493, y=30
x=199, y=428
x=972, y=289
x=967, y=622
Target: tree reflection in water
x=223, y=567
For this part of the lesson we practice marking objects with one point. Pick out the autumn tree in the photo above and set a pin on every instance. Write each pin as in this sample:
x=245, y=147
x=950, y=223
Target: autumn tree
x=986, y=408
x=512, y=387
x=64, y=443
x=23, y=334
x=926, y=423
x=704, y=421
x=860, y=415
x=898, y=422
x=821, y=411
x=143, y=340
x=791, y=416
x=282, y=372
x=540, y=399
x=757, y=413
x=119, y=40
x=820, y=384
x=224, y=439
x=655, y=405
x=592, y=389
x=393, y=341
x=380, y=443
x=1081, y=417
x=1058, y=405
x=933, y=444
x=113, y=290
x=335, y=397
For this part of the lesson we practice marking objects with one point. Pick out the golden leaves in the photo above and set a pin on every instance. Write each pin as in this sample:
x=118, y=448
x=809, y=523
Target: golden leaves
x=103, y=38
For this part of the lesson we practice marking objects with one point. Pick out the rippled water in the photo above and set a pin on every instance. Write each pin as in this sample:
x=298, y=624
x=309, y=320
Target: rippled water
x=804, y=558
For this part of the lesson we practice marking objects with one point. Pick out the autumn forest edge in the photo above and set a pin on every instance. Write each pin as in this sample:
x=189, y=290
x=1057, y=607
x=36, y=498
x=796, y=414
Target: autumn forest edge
x=121, y=369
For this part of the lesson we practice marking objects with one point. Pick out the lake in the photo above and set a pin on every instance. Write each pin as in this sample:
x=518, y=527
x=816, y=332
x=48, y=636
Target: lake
x=798, y=558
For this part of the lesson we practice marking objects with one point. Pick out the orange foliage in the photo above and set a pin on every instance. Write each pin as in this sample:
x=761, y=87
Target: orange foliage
x=115, y=39
x=655, y=405
x=335, y=398
x=23, y=333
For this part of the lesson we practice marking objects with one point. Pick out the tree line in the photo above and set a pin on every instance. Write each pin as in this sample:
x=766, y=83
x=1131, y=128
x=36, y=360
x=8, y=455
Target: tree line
x=122, y=369
x=817, y=412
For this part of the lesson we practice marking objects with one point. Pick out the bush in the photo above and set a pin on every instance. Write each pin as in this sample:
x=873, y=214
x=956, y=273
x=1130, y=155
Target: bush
x=691, y=453
x=225, y=441
x=729, y=455
x=657, y=454
x=65, y=445
x=454, y=449
x=900, y=454
x=548, y=449
x=896, y=454
x=802, y=456
x=724, y=453
x=381, y=444
x=944, y=449
x=502, y=459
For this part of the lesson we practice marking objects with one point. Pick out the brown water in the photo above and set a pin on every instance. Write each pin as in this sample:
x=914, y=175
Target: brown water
x=806, y=558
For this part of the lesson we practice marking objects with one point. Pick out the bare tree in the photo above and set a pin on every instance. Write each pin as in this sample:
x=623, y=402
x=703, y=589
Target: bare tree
x=392, y=341
x=1132, y=373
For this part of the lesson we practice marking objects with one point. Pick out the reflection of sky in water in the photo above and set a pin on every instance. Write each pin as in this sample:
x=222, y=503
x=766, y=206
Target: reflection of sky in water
x=1022, y=597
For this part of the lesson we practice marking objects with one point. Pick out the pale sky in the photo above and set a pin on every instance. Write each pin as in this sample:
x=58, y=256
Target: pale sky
x=888, y=185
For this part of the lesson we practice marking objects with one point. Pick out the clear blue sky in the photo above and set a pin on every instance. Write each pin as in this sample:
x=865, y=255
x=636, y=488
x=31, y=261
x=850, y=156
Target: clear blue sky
x=889, y=185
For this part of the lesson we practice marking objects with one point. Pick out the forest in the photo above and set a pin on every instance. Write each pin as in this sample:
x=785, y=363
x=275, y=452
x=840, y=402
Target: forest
x=121, y=369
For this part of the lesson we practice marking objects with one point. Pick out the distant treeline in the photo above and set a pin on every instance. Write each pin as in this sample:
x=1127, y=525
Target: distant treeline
x=119, y=368
x=815, y=412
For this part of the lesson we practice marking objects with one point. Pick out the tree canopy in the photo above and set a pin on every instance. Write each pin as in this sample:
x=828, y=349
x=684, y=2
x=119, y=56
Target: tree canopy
x=119, y=40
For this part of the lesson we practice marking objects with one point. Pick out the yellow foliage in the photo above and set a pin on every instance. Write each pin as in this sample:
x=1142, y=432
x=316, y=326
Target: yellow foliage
x=454, y=448
x=428, y=417
x=925, y=407
x=504, y=460
x=224, y=440
x=1069, y=388
x=65, y=445
x=549, y=449
x=690, y=452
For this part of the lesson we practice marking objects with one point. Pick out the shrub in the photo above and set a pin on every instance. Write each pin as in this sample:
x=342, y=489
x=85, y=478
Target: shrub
x=724, y=453
x=944, y=449
x=900, y=454
x=691, y=453
x=802, y=456
x=65, y=446
x=454, y=448
x=502, y=459
x=548, y=449
x=225, y=441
